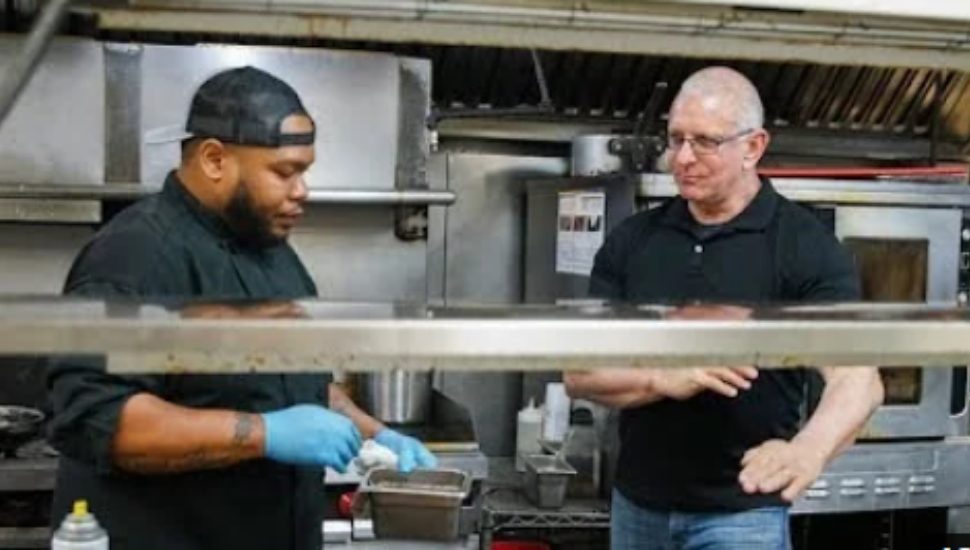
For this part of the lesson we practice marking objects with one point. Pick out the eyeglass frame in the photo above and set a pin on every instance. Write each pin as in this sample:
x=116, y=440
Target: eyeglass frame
x=714, y=149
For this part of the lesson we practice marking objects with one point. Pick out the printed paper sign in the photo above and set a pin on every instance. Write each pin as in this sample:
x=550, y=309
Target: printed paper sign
x=580, y=231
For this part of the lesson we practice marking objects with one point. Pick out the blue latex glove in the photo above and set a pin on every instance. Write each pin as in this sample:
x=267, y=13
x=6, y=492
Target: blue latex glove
x=311, y=435
x=410, y=452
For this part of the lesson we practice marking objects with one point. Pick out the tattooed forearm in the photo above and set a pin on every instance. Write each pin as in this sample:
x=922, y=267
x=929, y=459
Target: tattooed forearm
x=197, y=460
x=158, y=437
x=230, y=437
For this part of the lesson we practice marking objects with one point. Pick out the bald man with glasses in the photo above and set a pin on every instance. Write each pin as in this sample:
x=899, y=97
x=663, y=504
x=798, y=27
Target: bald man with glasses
x=712, y=457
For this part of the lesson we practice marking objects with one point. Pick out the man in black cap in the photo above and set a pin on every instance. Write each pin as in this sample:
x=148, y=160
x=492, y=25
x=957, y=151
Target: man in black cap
x=199, y=462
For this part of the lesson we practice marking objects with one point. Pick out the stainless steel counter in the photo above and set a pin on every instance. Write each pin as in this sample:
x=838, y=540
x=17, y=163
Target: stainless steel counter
x=322, y=336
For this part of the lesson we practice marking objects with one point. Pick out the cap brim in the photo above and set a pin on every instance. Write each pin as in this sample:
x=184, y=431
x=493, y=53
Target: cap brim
x=166, y=134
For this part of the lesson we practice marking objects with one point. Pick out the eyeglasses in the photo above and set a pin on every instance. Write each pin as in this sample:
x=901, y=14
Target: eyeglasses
x=703, y=145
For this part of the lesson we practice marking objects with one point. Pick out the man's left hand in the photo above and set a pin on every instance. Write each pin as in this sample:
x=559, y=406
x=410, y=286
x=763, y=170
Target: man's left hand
x=778, y=465
x=410, y=452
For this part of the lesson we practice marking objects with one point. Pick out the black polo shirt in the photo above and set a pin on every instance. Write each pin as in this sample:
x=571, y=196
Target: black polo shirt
x=168, y=247
x=686, y=455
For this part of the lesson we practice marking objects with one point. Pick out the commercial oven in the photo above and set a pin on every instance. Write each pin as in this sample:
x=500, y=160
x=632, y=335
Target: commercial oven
x=910, y=254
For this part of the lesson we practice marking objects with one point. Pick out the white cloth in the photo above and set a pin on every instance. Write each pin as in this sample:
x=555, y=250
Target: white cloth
x=374, y=455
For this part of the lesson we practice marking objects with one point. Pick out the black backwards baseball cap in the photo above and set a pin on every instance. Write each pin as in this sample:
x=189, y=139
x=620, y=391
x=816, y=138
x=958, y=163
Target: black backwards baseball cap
x=244, y=106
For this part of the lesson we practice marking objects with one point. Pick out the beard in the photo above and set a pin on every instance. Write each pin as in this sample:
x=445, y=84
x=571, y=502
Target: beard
x=249, y=226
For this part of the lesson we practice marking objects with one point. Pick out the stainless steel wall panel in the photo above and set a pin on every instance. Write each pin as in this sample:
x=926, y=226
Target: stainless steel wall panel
x=544, y=283
x=479, y=259
x=353, y=97
x=36, y=258
x=485, y=226
x=352, y=254
x=492, y=399
x=55, y=132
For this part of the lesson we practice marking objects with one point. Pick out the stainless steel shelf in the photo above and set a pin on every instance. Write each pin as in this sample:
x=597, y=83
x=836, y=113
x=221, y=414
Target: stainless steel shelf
x=326, y=336
x=504, y=506
x=130, y=191
x=505, y=509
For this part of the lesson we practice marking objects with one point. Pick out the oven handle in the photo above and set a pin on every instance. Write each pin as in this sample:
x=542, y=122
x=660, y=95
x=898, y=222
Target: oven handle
x=960, y=401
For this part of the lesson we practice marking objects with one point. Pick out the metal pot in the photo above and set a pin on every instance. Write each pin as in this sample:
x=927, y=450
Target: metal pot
x=591, y=156
x=397, y=397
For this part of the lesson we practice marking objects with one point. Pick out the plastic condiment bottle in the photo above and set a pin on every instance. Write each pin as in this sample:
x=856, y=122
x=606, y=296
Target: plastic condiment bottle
x=527, y=433
x=556, y=407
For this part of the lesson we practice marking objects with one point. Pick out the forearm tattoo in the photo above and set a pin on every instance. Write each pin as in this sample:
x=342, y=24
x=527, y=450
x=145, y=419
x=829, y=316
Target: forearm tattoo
x=243, y=430
x=199, y=459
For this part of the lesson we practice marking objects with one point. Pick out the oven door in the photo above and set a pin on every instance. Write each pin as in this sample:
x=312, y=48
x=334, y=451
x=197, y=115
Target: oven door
x=907, y=255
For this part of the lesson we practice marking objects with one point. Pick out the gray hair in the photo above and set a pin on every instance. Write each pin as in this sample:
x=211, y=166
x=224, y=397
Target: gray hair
x=731, y=87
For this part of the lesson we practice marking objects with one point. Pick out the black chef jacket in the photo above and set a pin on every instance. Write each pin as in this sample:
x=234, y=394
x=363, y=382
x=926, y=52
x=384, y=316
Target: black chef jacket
x=165, y=247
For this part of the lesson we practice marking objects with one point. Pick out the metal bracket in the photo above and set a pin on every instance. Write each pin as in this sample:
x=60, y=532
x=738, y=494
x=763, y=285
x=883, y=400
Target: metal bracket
x=414, y=148
x=414, y=141
x=411, y=223
x=122, y=93
x=637, y=151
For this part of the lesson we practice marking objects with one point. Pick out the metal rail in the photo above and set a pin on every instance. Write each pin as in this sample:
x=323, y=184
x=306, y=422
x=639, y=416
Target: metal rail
x=130, y=191
x=327, y=336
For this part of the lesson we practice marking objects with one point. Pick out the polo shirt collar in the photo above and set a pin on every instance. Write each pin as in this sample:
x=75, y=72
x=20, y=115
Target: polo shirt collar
x=755, y=217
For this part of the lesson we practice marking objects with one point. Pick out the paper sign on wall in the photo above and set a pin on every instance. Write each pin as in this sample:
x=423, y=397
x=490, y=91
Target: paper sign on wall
x=580, y=230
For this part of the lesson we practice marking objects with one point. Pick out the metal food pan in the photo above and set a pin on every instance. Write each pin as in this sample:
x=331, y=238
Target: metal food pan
x=423, y=504
x=546, y=480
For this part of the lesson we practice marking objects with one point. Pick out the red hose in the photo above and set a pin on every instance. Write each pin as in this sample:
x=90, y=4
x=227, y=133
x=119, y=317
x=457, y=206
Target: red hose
x=867, y=172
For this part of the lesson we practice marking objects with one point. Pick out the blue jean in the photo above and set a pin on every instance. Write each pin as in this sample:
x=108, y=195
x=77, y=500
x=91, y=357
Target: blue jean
x=636, y=528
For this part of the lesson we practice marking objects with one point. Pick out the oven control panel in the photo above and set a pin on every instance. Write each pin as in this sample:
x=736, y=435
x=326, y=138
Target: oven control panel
x=880, y=486
x=892, y=476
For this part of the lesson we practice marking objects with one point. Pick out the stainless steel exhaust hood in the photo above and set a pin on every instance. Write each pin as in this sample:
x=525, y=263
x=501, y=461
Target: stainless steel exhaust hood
x=897, y=85
x=818, y=31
